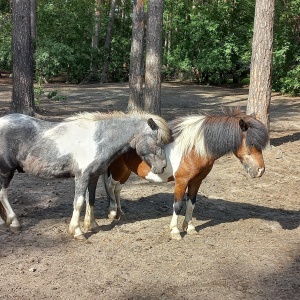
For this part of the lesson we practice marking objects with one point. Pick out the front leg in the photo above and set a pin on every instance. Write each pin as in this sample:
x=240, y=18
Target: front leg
x=180, y=188
x=81, y=184
x=90, y=223
x=11, y=218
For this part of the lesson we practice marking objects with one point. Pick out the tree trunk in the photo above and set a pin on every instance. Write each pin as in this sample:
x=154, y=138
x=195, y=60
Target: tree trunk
x=104, y=75
x=33, y=32
x=33, y=21
x=136, y=57
x=95, y=38
x=152, y=99
x=261, y=62
x=22, y=94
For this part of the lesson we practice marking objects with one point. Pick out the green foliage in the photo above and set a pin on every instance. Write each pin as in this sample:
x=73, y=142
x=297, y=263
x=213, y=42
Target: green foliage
x=215, y=37
x=64, y=30
x=286, y=58
x=206, y=41
x=5, y=36
x=38, y=92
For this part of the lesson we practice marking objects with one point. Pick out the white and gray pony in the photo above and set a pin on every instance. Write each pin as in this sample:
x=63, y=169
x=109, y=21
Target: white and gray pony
x=82, y=146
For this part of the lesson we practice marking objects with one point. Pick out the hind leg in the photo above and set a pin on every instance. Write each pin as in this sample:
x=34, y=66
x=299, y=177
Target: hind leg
x=113, y=190
x=11, y=217
x=193, y=188
x=81, y=185
x=120, y=212
x=111, y=187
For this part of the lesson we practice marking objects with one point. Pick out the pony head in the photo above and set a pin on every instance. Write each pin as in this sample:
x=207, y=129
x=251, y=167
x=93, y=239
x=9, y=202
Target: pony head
x=212, y=136
x=149, y=143
x=254, y=138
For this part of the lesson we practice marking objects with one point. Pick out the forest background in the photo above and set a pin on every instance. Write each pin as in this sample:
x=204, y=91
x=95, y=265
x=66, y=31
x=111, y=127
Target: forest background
x=203, y=41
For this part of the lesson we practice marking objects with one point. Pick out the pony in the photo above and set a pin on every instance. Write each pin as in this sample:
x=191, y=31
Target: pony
x=197, y=142
x=81, y=146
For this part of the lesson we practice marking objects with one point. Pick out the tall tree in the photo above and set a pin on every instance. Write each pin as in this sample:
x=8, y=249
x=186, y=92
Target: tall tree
x=95, y=38
x=261, y=61
x=136, y=57
x=152, y=101
x=107, y=50
x=22, y=94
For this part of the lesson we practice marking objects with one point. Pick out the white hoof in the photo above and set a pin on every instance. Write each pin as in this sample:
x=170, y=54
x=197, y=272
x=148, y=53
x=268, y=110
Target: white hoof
x=14, y=229
x=176, y=235
x=112, y=215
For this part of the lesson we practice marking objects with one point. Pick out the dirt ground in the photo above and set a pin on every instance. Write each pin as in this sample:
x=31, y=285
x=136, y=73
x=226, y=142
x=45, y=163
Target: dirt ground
x=248, y=245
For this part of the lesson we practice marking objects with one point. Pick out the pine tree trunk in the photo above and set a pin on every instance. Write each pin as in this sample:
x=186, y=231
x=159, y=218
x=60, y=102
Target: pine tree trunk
x=153, y=57
x=261, y=61
x=136, y=57
x=95, y=38
x=22, y=94
x=104, y=75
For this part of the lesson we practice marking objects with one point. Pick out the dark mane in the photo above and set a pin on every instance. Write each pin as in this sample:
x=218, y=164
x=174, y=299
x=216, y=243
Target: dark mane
x=218, y=134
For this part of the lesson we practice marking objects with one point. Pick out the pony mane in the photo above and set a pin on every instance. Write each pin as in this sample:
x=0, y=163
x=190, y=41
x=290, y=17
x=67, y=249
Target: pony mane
x=213, y=136
x=163, y=133
x=95, y=116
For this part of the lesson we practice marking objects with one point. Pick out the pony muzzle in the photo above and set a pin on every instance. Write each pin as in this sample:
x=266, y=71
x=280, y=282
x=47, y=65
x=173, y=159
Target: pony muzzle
x=254, y=172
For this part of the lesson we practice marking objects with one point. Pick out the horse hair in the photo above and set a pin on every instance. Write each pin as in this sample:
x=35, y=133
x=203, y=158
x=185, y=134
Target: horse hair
x=163, y=130
x=216, y=135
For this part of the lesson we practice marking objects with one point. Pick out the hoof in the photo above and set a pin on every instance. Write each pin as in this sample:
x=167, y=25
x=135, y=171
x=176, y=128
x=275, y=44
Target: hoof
x=80, y=238
x=91, y=228
x=121, y=216
x=112, y=215
x=184, y=226
x=176, y=236
x=14, y=229
x=192, y=232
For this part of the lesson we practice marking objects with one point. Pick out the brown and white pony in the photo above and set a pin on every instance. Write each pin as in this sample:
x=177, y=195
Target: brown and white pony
x=198, y=141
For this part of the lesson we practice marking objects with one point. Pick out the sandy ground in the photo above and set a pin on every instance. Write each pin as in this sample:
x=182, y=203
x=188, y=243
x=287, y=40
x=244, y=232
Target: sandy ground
x=248, y=245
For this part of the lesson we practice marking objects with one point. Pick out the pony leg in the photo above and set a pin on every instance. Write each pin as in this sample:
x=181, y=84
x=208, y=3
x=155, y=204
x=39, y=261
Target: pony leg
x=11, y=217
x=80, y=191
x=187, y=223
x=193, y=188
x=175, y=233
x=110, y=187
x=2, y=215
x=90, y=223
x=118, y=189
x=180, y=188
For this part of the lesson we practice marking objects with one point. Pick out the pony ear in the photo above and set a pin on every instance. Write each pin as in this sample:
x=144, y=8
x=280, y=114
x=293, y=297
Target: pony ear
x=152, y=124
x=244, y=126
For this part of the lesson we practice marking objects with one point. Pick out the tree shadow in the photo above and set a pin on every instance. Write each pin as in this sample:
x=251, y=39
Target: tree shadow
x=285, y=139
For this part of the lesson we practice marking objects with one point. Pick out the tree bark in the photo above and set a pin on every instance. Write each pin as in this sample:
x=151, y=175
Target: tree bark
x=261, y=62
x=152, y=101
x=104, y=75
x=136, y=57
x=95, y=38
x=22, y=94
